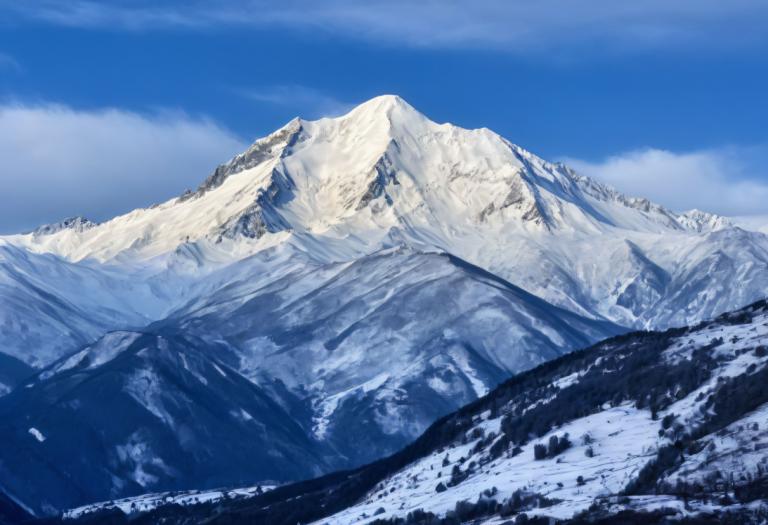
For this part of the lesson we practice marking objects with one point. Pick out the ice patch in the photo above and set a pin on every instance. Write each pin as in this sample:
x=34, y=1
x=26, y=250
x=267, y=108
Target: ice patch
x=37, y=434
x=329, y=405
x=145, y=387
x=242, y=415
x=147, y=502
x=460, y=357
x=137, y=455
x=219, y=370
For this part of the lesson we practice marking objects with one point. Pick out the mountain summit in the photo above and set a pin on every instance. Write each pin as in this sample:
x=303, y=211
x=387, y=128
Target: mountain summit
x=384, y=175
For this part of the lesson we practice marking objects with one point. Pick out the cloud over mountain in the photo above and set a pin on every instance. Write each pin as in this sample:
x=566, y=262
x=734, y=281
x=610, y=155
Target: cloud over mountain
x=724, y=180
x=95, y=162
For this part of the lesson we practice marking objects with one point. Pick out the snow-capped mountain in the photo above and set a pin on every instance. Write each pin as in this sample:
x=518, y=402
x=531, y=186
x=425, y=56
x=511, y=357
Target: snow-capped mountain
x=647, y=427
x=364, y=275
x=385, y=175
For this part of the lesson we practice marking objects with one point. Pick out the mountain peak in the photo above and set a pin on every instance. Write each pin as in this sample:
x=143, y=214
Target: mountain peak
x=702, y=221
x=382, y=171
x=389, y=109
x=384, y=102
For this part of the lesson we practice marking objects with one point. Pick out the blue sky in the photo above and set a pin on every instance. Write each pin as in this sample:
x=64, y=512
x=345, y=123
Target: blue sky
x=105, y=106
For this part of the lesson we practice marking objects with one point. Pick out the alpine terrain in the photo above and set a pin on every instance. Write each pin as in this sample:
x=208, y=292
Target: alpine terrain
x=643, y=428
x=325, y=296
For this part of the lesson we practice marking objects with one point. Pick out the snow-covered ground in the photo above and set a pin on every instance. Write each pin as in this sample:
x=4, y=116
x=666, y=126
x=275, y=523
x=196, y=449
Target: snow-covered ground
x=741, y=449
x=148, y=502
x=621, y=439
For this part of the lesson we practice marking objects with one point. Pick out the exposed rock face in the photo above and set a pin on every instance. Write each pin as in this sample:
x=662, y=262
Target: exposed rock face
x=77, y=224
x=384, y=174
x=278, y=143
x=262, y=216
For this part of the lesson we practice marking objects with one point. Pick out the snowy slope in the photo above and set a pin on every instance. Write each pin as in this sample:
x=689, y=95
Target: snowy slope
x=51, y=306
x=137, y=413
x=654, y=420
x=624, y=437
x=384, y=345
x=147, y=502
x=275, y=378
x=757, y=223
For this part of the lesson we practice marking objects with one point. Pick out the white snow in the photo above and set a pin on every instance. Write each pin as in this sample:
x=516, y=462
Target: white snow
x=242, y=415
x=148, y=502
x=739, y=450
x=221, y=372
x=625, y=439
x=37, y=434
x=138, y=455
x=103, y=351
x=146, y=388
x=328, y=405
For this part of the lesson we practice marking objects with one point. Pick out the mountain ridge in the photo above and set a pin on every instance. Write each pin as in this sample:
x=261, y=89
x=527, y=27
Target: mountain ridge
x=385, y=175
x=335, y=353
x=374, y=121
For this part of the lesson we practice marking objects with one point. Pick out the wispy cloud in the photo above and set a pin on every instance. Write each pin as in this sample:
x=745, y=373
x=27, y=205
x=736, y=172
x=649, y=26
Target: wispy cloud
x=108, y=14
x=729, y=180
x=511, y=25
x=98, y=163
x=306, y=101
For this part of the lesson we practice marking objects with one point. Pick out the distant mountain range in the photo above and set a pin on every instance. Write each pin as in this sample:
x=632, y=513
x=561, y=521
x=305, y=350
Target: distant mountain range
x=320, y=300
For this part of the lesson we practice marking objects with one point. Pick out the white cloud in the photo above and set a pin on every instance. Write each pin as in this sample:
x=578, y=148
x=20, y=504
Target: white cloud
x=730, y=181
x=307, y=102
x=513, y=25
x=58, y=161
